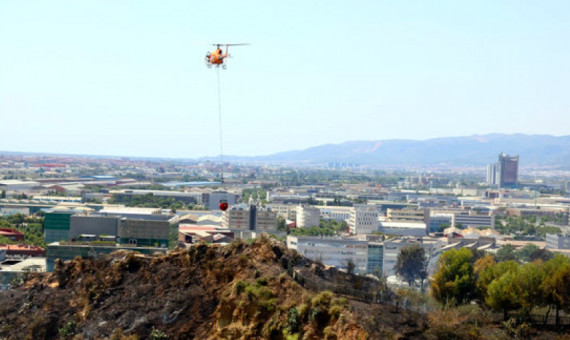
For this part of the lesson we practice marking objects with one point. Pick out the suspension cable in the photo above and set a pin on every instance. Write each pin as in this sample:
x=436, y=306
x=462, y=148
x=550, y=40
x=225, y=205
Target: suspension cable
x=220, y=126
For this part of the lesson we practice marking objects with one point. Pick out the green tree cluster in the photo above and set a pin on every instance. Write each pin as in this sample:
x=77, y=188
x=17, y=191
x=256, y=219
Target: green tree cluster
x=149, y=201
x=258, y=194
x=31, y=227
x=325, y=228
x=530, y=225
x=312, y=231
x=502, y=286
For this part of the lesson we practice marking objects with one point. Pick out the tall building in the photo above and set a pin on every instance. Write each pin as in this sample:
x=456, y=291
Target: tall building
x=492, y=174
x=363, y=219
x=244, y=217
x=508, y=170
x=308, y=216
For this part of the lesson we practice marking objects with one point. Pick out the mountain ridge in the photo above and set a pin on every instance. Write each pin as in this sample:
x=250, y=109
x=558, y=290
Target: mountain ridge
x=474, y=150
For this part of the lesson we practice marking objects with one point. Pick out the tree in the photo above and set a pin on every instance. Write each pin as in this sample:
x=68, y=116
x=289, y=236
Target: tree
x=487, y=271
x=530, y=278
x=524, y=253
x=555, y=288
x=482, y=269
x=412, y=264
x=282, y=224
x=350, y=266
x=453, y=281
x=506, y=253
x=505, y=293
x=542, y=255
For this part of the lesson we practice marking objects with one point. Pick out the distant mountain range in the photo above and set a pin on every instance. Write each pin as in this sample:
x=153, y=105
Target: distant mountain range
x=472, y=151
x=477, y=150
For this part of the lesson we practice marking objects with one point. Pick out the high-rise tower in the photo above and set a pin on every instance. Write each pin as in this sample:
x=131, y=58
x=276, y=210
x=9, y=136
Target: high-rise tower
x=508, y=171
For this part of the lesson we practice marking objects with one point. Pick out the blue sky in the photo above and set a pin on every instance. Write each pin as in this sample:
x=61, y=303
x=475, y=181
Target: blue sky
x=128, y=78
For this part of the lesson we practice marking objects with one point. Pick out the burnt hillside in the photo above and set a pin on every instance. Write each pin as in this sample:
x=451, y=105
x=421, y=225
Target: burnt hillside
x=240, y=291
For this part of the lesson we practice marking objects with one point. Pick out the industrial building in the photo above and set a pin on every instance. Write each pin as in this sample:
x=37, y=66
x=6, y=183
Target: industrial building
x=13, y=186
x=338, y=252
x=287, y=211
x=212, y=200
x=145, y=233
x=308, y=216
x=94, y=225
x=253, y=217
x=555, y=241
x=339, y=214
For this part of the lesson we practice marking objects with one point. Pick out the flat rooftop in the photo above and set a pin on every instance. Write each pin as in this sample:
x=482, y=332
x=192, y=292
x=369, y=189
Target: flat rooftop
x=37, y=264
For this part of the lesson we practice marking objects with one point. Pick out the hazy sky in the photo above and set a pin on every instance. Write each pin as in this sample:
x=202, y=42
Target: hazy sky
x=128, y=78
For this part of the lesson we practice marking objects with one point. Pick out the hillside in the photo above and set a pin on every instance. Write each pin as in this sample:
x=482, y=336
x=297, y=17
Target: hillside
x=241, y=291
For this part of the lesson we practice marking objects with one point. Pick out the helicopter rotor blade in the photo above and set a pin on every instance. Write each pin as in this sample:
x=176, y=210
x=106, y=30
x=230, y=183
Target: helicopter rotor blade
x=240, y=44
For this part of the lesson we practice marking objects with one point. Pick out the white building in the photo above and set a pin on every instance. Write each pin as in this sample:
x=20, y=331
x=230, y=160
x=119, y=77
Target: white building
x=408, y=215
x=212, y=201
x=554, y=241
x=339, y=214
x=307, y=216
x=363, y=219
x=13, y=210
x=14, y=186
x=330, y=251
x=287, y=211
x=403, y=228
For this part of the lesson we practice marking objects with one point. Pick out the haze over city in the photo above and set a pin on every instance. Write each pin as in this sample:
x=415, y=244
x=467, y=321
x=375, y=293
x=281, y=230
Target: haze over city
x=128, y=78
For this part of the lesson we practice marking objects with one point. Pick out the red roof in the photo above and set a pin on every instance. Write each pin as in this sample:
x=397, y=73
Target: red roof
x=20, y=247
x=7, y=232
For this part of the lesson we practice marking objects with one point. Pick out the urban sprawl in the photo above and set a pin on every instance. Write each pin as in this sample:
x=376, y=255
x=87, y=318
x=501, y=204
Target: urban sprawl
x=355, y=218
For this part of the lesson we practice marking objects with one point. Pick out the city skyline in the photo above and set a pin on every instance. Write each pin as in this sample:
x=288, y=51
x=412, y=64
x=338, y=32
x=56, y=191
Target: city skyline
x=129, y=80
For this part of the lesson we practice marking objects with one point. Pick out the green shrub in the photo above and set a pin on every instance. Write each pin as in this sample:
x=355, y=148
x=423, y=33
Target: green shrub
x=243, y=260
x=334, y=311
x=157, y=334
x=292, y=320
x=239, y=287
x=69, y=329
x=262, y=281
x=322, y=299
